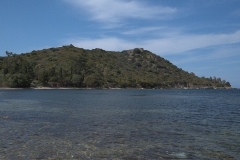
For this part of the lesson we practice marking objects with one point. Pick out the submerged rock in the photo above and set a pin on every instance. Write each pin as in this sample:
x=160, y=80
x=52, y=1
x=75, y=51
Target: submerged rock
x=179, y=155
x=5, y=117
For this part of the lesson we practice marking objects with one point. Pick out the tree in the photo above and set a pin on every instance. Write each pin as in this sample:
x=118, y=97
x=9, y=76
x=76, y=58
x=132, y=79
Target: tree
x=214, y=79
x=223, y=82
x=9, y=53
x=77, y=80
x=136, y=51
x=219, y=80
x=60, y=73
x=73, y=66
x=228, y=84
x=18, y=80
x=43, y=77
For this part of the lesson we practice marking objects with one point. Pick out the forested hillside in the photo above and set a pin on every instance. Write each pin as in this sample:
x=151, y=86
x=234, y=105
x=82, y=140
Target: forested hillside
x=69, y=66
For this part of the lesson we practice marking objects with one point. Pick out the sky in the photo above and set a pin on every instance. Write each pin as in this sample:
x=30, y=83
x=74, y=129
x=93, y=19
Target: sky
x=198, y=36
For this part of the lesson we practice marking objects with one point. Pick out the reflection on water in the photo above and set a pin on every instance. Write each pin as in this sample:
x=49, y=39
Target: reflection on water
x=119, y=124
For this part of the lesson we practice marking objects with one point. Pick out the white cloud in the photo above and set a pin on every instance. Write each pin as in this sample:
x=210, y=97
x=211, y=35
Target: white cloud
x=217, y=53
x=182, y=43
x=163, y=46
x=115, y=11
x=109, y=44
x=142, y=30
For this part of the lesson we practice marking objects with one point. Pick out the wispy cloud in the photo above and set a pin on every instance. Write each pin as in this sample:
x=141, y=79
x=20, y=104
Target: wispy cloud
x=108, y=43
x=184, y=42
x=163, y=46
x=217, y=53
x=115, y=11
x=142, y=30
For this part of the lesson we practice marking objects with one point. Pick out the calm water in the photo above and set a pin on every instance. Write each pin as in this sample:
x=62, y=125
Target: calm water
x=119, y=124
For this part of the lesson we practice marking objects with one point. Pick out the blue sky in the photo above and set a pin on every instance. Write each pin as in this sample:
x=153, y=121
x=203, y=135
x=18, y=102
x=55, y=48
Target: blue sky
x=198, y=36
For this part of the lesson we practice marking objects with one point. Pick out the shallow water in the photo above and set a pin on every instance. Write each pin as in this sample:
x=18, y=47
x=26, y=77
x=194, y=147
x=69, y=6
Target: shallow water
x=119, y=124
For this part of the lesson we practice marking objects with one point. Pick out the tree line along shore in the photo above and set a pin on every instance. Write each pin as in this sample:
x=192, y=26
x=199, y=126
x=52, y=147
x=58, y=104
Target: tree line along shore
x=72, y=67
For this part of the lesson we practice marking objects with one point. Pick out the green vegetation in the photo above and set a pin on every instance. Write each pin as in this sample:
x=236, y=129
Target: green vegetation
x=69, y=66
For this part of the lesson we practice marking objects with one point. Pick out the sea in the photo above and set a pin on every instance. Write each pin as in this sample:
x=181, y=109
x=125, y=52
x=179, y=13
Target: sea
x=119, y=124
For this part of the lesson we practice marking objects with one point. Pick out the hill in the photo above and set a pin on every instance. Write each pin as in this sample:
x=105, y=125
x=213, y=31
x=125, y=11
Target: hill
x=69, y=66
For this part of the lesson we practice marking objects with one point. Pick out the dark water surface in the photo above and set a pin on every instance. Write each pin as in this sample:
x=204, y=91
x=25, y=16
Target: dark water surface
x=119, y=124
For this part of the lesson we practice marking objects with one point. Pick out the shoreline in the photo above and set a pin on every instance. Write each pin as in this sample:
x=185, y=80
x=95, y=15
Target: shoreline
x=74, y=88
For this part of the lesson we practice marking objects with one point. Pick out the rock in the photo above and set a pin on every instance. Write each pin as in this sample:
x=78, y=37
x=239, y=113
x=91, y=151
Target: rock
x=6, y=117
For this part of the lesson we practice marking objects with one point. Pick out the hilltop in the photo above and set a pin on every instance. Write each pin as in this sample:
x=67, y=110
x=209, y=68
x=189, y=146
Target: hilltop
x=69, y=66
